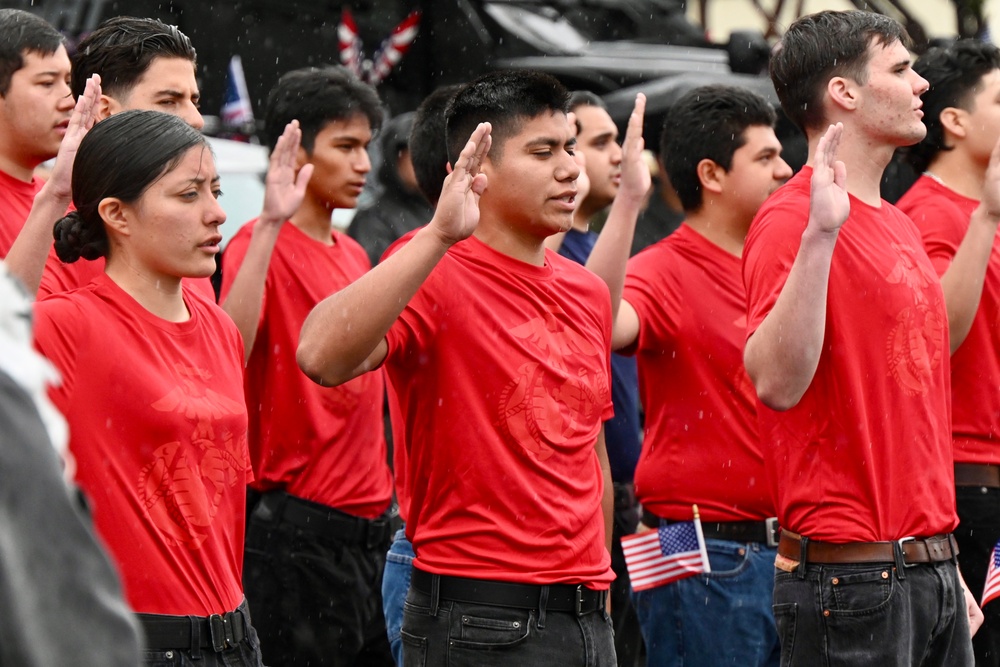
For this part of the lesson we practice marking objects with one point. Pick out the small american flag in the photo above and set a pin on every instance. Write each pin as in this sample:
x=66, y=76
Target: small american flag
x=992, y=587
x=671, y=552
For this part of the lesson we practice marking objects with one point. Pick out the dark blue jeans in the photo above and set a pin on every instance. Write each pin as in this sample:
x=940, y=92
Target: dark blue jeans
x=718, y=619
x=395, y=584
x=470, y=635
x=841, y=615
x=978, y=530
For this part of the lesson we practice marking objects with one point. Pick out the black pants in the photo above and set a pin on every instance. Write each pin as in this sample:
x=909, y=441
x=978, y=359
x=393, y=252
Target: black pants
x=628, y=635
x=244, y=654
x=978, y=530
x=316, y=599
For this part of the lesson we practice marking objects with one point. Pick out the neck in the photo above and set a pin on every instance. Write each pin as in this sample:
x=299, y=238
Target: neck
x=504, y=239
x=16, y=169
x=580, y=223
x=160, y=295
x=726, y=232
x=865, y=161
x=315, y=220
x=959, y=172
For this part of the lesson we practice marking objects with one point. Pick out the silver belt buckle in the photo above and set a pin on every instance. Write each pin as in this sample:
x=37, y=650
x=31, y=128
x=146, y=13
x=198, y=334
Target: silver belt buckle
x=773, y=531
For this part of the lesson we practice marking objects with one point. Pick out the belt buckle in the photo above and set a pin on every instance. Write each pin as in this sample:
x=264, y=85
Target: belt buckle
x=902, y=554
x=579, y=600
x=772, y=530
x=222, y=632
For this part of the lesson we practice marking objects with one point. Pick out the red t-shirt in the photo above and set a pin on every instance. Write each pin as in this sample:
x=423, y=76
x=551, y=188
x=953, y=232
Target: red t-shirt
x=866, y=453
x=701, y=444
x=502, y=373
x=59, y=277
x=16, y=198
x=942, y=216
x=325, y=444
x=158, y=429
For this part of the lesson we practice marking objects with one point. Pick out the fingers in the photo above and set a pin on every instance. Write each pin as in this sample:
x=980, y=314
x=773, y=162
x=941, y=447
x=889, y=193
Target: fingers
x=85, y=113
x=826, y=149
x=634, y=130
x=471, y=158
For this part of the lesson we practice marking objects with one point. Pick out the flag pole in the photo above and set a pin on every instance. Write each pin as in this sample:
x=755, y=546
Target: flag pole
x=701, y=539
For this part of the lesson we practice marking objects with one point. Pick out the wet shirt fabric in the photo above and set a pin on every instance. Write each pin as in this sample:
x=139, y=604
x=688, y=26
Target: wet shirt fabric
x=158, y=430
x=502, y=373
x=942, y=216
x=701, y=443
x=16, y=198
x=866, y=453
x=324, y=444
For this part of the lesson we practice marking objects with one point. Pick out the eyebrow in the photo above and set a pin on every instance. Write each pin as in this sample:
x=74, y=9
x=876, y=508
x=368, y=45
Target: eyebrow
x=550, y=142
x=604, y=136
x=201, y=180
x=169, y=92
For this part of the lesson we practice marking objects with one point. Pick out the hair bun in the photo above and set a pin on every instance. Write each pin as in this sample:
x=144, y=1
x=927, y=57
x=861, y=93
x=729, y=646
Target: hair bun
x=74, y=238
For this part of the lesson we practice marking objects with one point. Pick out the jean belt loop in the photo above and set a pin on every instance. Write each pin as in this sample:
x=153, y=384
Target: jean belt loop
x=543, y=602
x=195, y=638
x=803, y=556
x=953, y=545
x=435, y=593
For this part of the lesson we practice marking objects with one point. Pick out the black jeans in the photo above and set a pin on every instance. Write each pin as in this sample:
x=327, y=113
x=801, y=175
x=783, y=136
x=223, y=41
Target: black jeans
x=457, y=634
x=245, y=654
x=868, y=615
x=978, y=530
x=316, y=600
x=628, y=635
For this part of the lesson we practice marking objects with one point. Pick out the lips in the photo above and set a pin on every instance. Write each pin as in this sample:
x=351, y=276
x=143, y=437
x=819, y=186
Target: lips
x=212, y=244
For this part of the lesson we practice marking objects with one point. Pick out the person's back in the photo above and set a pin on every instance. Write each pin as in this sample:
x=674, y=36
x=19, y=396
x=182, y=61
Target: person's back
x=498, y=352
x=35, y=107
x=954, y=204
x=848, y=353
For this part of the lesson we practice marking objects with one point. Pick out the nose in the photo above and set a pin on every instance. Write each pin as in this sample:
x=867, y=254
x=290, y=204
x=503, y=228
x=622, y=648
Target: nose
x=215, y=214
x=782, y=171
x=363, y=163
x=920, y=85
x=616, y=154
x=192, y=117
x=569, y=168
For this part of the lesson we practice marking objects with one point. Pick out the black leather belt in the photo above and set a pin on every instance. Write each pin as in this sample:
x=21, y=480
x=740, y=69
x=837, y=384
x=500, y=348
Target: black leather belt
x=761, y=532
x=575, y=599
x=218, y=632
x=278, y=506
x=977, y=474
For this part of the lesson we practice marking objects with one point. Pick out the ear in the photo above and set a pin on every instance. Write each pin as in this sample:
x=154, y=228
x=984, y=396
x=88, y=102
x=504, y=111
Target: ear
x=955, y=121
x=843, y=92
x=115, y=214
x=108, y=106
x=710, y=175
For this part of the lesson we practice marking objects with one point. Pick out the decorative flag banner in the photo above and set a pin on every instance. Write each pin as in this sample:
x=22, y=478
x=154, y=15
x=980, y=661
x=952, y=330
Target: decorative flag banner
x=391, y=51
x=236, y=109
x=664, y=555
x=992, y=587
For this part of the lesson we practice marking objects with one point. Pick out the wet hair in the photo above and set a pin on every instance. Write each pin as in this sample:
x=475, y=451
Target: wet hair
x=505, y=99
x=821, y=46
x=708, y=123
x=955, y=74
x=121, y=50
x=316, y=96
x=429, y=143
x=584, y=98
x=120, y=157
x=22, y=32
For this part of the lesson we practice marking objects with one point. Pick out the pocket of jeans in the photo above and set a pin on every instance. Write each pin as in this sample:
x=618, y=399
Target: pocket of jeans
x=784, y=618
x=414, y=650
x=728, y=559
x=855, y=593
x=501, y=628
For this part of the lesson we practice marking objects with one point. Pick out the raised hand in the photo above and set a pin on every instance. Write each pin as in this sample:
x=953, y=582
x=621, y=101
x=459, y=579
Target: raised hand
x=283, y=188
x=83, y=118
x=829, y=204
x=457, y=213
x=635, y=172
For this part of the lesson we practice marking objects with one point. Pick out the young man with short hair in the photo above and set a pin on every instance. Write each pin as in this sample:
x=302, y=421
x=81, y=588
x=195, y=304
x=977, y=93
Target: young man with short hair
x=317, y=537
x=35, y=107
x=847, y=347
x=952, y=204
x=498, y=352
x=682, y=312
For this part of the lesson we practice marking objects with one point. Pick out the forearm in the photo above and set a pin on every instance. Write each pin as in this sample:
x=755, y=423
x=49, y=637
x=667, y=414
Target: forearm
x=246, y=295
x=782, y=354
x=611, y=251
x=963, y=281
x=26, y=259
x=343, y=335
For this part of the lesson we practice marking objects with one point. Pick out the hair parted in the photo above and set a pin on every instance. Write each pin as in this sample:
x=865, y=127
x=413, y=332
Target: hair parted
x=820, y=46
x=955, y=74
x=120, y=157
x=121, y=50
x=505, y=99
x=708, y=122
x=22, y=32
x=316, y=96
x=429, y=143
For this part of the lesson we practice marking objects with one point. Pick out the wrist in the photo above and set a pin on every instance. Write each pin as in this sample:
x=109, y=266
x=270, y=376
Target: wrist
x=989, y=215
x=55, y=194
